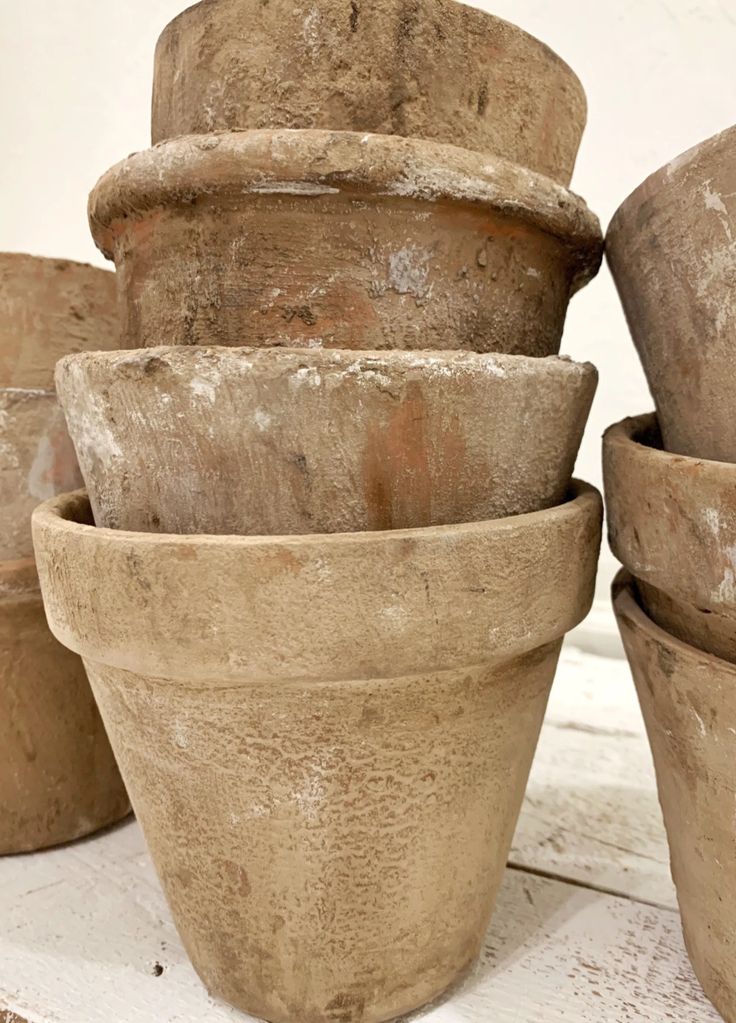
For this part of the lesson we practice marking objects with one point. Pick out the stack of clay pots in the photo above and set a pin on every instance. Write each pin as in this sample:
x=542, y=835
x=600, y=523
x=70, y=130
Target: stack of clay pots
x=58, y=779
x=671, y=501
x=331, y=545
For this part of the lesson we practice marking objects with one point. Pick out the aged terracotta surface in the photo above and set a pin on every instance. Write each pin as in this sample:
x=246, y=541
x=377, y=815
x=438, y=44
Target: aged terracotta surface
x=671, y=250
x=37, y=461
x=58, y=779
x=311, y=727
x=432, y=69
x=688, y=699
x=50, y=308
x=225, y=440
x=698, y=626
x=341, y=240
x=671, y=519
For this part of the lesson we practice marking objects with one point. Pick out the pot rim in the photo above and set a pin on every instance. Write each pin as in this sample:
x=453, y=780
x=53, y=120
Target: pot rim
x=374, y=604
x=316, y=162
x=18, y=578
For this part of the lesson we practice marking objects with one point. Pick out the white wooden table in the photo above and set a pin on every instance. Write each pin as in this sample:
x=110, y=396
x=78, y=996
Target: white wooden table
x=585, y=931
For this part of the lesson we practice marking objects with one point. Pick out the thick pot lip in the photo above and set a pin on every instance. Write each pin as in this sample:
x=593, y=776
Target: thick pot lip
x=23, y=262
x=316, y=162
x=362, y=605
x=661, y=182
x=635, y=443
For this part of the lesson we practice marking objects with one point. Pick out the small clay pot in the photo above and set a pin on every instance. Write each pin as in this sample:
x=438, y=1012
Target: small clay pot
x=50, y=308
x=688, y=699
x=341, y=240
x=671, y=251
x=432, y=69
x=312, y=727
x=58, y=779
x=37, y=461
x=672, y=523
x=284, y=441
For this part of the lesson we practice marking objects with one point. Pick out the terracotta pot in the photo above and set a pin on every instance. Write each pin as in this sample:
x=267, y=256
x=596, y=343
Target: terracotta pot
x=37, y=461
x=58, y=779
x=311, y=727
x=672, y=522
x=335, y=239
x=50, y=308
x=432, y=69
x=671, y=251
x=688, y=699
x=254, y=441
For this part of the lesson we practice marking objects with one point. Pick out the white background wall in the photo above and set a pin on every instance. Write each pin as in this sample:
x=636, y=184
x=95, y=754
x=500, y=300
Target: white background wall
x=660, y=76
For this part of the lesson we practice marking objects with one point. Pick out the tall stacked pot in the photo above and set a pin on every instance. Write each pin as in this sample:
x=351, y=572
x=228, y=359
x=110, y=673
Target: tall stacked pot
x=331, y=545
x=670, y=479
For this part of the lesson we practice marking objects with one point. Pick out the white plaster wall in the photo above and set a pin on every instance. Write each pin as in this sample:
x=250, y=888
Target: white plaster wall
x=74, y=98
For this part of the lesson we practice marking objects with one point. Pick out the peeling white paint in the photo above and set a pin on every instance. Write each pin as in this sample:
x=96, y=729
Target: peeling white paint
x=291, y=188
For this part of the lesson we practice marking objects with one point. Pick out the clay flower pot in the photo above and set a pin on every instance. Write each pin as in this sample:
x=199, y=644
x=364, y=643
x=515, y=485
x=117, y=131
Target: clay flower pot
x=671, y=251
x=341, y=240
x=432, y=69
x=688, y=699
x=310, y=727
x=50, y=308
x=255, y=441
x=58, y=779
x=37, y=461
x=672, y=523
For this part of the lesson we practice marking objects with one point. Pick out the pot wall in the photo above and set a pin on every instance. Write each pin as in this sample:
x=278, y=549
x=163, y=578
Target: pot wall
x=431, y=69
x=247, y=441
x=329, y=239
x=670, y=248
x=698, y=627
x=688, y=699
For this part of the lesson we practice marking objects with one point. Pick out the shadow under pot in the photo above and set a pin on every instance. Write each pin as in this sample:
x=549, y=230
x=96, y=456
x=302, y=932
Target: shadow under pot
x=672, y=523
x=310, y=727
x=688, y=699
x=58, y=778
x=671, y=251
x=341, y=240
x=255, y=441
x=431, y=69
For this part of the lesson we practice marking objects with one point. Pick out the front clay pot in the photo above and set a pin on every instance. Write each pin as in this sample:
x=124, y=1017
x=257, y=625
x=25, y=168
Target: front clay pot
x=255, y=441
x=312, y=727
x=672, y=523
x=37, y=461
x=688, y=699
x=671, y=251
x=340, y=240
x=50, y=308
x=432, y=69
x=58, y=779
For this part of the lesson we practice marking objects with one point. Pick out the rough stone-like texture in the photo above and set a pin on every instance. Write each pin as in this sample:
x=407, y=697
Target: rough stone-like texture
x=671, y=247
x=37, y=461
x=697, y=626
x=58, y=779
x=310, y=727
x=671, y=519
x=50, y=308
x=250, y=441
x=688, y=699
x=341, y=240
x=432, y=69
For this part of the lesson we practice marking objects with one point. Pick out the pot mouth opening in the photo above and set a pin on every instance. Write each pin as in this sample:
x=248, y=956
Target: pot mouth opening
x=73, y=513
x=642, y=434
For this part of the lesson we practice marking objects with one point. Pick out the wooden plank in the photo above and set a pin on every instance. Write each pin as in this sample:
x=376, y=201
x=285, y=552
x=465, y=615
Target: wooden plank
x=86, y=937
x=591, y=812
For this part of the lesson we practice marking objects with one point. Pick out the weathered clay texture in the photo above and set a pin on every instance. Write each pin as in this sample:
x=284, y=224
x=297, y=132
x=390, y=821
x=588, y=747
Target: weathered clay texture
x=341, y=240
x=249, y=441
x=50, y=308
x=432, y=69
x=672, y=523
x=672, y=253
x=37, y=461
x=58, y=779
x=688, y=699
x=311, y=727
